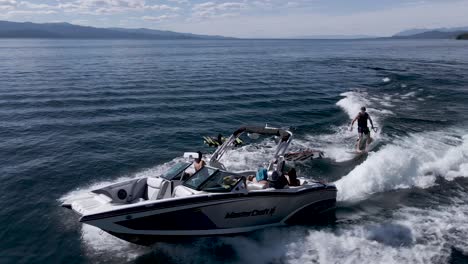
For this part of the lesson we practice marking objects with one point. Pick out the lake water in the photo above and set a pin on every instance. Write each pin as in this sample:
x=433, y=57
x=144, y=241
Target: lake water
x=77, y=114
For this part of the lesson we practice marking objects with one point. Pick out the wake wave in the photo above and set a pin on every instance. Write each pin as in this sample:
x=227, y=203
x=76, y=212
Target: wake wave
x=413, y=161
x=414, y=236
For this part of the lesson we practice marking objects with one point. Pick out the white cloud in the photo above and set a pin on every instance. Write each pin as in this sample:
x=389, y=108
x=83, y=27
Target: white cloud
x=382, y=22
x=265, y=4
x=162, y=7
x=158, y=18
x=7, y=4
x=30, y=5
x=280, y=5
x=249, y=18
x=14, y=8
x=111, y=6
x=292, y=4
x=212, y=9
x=31, y=12
x=180, y=2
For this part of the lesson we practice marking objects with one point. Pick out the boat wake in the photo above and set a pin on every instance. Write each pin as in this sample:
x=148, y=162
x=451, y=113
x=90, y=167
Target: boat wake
x=413, y=236
x=413, y=161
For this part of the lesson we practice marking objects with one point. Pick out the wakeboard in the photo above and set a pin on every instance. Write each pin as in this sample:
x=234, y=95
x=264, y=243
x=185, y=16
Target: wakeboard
x=219, y=140
x=362, y=147
x=362, y=152
x=304, y=155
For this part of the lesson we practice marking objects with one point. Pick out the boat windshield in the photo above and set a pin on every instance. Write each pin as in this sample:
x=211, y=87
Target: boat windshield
x=199, y=177
x=221, y=181
x=212, y=180
x=175, y=171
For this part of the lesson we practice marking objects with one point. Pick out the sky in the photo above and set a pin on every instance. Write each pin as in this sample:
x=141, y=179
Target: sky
x=244, y=18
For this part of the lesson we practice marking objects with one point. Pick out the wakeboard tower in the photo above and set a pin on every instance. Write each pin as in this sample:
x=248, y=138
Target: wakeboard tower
x=300, y=155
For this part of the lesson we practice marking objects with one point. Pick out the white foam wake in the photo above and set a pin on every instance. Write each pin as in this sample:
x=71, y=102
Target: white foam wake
x=353, y=101
x=249, y=157
x=103, y=247
x=412, y=161
x=413, y=236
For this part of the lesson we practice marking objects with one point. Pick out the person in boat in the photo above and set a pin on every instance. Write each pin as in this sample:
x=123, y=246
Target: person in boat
x=260, y=177
x=199, y=162
x=277, y=180
x=292, y=178
x=363, y=129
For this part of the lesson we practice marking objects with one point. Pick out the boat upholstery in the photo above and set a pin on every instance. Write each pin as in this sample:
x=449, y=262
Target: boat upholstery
x=256, y=186
x=181, y=191
x=157, y=188
x=138, y=190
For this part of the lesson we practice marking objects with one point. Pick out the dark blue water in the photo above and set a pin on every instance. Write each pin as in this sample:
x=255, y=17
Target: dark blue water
x=79, y=114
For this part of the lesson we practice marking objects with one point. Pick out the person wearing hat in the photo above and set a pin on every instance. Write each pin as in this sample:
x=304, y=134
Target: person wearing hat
x=362, y=118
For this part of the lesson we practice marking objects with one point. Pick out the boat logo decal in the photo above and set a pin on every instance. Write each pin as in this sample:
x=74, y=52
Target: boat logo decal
x=266, y=212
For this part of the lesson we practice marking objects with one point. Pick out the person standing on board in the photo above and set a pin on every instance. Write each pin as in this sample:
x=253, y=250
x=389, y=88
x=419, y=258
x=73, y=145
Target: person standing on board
x=362, y=118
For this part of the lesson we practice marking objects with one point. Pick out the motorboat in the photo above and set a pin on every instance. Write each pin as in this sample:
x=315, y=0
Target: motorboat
x=212, y=201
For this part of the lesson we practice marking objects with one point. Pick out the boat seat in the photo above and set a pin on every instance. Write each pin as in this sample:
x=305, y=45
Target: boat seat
x=181, y=191
x=256, y=186
x=138, y=190
x=157, y=188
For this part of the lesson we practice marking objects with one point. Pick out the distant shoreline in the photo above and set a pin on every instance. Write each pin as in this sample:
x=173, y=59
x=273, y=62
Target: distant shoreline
x=60, y=31
x=222, y=39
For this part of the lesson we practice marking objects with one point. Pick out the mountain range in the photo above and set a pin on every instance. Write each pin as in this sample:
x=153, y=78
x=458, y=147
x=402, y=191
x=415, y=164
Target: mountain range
x=437, y=33
x=70, y=31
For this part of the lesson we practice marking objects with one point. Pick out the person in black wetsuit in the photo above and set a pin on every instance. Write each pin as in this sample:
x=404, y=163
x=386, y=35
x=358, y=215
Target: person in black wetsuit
x=362, y=118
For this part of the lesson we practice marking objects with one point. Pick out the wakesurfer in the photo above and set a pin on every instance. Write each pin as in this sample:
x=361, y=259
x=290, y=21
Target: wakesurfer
x=362, y=118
